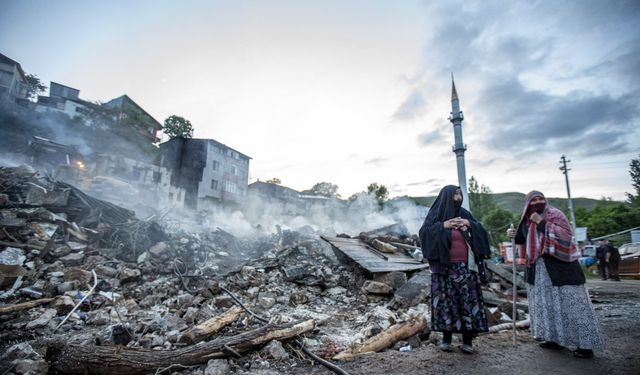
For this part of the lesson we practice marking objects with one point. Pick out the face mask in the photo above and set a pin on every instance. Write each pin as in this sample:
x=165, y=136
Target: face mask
x=457, y=204
x=538, y=207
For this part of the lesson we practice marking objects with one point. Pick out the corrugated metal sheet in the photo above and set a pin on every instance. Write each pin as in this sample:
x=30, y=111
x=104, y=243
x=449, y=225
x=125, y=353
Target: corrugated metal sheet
x=371, y=259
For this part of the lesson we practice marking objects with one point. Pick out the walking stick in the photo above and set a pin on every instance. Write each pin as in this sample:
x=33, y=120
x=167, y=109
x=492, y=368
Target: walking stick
x=514, y=312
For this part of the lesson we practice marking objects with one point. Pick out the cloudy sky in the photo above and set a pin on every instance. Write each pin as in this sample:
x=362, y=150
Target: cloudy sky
x=354, y=92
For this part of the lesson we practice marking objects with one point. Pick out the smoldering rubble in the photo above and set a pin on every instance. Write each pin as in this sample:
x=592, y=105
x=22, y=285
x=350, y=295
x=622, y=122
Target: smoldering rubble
x=88, y=287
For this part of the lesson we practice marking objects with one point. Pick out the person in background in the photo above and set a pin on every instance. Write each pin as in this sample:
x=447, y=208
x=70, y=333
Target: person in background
x=612, y=259
x=455, y=244
x=559, y=306
x=601, y=250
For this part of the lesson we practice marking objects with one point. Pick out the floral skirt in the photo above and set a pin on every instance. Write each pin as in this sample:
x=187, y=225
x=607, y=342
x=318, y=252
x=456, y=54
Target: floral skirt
x=562, y=314
x=456, y=301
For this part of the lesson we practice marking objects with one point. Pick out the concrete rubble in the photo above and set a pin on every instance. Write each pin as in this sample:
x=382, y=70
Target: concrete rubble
x=153, y=283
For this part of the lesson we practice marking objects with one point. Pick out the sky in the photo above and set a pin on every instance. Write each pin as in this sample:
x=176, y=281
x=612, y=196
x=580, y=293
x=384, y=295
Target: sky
x=355, y=92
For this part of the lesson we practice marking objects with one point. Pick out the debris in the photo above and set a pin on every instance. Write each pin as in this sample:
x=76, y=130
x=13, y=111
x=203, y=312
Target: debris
x=73, y=358
x=386, y=338
x=211, y=326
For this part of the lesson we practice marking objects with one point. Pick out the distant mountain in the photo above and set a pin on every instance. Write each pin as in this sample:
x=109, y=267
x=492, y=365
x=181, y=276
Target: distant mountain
x=514, y=202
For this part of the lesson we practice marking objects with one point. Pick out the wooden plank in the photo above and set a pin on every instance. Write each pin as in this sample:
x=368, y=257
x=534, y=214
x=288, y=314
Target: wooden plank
x=367, y=257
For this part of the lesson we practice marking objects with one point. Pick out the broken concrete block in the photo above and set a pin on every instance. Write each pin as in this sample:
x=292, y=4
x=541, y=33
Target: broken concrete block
x=393, y=279
x=184, y=299
x=128, y=274
x=374, y=287
x=73, y=259
x=276, y=351
x=158, y=249
x=107, y=271
x=217, y=367
x=30, y=366
x=266, y=302
x=22, y=350
x=415, y=290
x=74, y=273
x=43, y=319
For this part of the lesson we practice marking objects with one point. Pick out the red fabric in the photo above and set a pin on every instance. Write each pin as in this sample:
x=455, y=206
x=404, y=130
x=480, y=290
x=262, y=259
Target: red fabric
x=459, y=252
x=557, y=238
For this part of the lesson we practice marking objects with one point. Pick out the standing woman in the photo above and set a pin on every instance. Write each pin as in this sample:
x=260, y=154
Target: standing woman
x=454, y=243
x=559, y=306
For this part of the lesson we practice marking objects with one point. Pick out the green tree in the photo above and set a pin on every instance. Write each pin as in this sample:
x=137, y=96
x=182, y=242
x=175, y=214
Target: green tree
x=34, y=86
x=177, y=126
x=480, y=199
x=379, y=191
x=325, y=189
x=634, y=171
x=496, y=222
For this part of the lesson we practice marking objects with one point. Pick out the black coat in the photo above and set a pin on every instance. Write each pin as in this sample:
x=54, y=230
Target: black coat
x=435, y=240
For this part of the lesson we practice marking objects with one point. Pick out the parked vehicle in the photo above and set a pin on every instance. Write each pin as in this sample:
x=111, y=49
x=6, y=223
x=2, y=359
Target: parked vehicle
x=588, y=257
x=630, y=259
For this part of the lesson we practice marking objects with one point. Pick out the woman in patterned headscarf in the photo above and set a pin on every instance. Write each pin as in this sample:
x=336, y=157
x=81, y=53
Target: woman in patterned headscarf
x=454, y=243
x=559, y=306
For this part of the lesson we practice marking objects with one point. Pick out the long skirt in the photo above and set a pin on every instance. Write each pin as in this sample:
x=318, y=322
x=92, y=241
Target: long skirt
x=456, y=301
x=562, y=314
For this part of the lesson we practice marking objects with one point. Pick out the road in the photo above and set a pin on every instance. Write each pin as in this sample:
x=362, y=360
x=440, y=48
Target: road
x=617, y=305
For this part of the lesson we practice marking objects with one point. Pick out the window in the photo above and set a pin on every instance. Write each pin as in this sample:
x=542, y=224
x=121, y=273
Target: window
x=214, y=184
x=216, y=165
x=230, y=187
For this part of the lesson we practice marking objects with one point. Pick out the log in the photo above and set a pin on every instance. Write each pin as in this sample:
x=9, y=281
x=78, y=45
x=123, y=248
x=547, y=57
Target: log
x=115, y=360
x=386, y=338
x=504, y=326
x=24, y=306
x=211, y=326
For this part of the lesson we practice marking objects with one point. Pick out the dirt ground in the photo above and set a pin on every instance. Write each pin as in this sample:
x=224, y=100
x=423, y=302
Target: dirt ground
x=617, y=305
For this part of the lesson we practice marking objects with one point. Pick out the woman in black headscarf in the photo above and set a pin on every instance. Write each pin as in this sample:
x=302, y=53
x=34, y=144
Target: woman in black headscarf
x=455, y=243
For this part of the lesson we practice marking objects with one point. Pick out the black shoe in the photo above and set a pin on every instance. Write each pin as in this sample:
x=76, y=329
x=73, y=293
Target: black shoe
x=550, y=345
x=583, y=353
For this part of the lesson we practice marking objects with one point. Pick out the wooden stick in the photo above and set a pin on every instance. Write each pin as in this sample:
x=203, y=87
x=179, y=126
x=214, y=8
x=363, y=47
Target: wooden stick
x=514, y=313
x=212, y=326
x=24, y=306
x=386, y=338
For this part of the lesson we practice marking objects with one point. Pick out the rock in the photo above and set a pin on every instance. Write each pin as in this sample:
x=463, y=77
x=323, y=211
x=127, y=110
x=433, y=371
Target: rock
x=173, y=336
x=157, y=340
x=63, y=305
x=184, y=300
x=67, y=286
x=223, y=301
x=31, y=367
x=43, y=319
x=276, y=351
x=22, y=350
x=98, y=318
x=217, y=367
x=78, y=274
x=298, y=298
x=158, y=249
x=107, y=271
x=190, y=315
x=336, y=291
x=375, y=287
x=416, y=290
x=128, y=274
x=393, y=279
x=73, y=259
x=266, y=302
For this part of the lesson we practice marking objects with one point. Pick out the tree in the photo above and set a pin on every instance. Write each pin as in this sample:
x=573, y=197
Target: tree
x=177, y=126
x=634, y=171
x=275, y=181
x=380, y=191
x=34, y=86
x=496, y=222
x=480, y=199
x=326, y=189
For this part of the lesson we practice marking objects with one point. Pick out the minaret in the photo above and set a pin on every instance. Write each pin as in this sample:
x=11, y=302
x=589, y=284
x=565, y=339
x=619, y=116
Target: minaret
x=459, y=147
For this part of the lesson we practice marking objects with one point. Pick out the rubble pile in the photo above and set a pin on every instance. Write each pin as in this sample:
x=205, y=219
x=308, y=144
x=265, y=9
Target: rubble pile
x=84, y=285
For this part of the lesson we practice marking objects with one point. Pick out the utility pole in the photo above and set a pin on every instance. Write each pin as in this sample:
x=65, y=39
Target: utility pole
x=565, y=171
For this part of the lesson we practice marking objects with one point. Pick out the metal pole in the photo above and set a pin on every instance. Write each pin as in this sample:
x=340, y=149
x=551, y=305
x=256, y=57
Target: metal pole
x=565, y=171
x=514, y=312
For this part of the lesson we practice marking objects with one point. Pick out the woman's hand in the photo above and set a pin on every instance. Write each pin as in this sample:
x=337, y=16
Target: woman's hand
x=448, y=224
x=536, y=218
x=511, y=233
